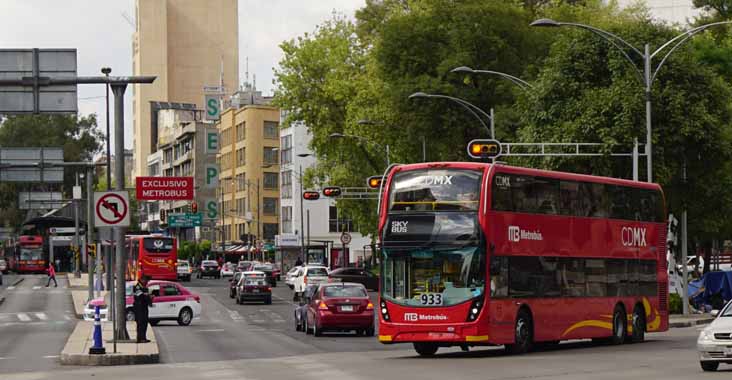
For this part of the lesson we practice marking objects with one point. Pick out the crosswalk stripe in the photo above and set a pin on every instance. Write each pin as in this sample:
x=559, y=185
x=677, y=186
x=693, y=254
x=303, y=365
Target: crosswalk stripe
x=42, y=316
x=11, y=287
x=24, y=317
x=36, y=287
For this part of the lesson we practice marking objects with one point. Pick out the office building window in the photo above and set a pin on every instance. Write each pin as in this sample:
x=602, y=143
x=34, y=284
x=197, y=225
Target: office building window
x=154, y=169
x=338, y=223
x=241, y=157
x=241, y=206
x=241, y=132
x=269, y=206
x=287, y=219
x=241, y=183
x=271, y=130
x=270, y=181
x=270, y=230
x=168, y=155
x=270, y=155
x=286, y=149
x=286, y=190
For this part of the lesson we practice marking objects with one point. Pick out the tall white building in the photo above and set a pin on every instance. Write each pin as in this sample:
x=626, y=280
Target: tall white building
x=321, y=232
x=674, y=11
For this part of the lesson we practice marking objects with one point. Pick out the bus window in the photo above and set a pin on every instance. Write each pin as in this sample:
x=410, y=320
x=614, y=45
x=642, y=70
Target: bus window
x=650, y=205
x=597, y=199
x=436, y=190
x=499, y=276
x=572, y=277
x=596, y=276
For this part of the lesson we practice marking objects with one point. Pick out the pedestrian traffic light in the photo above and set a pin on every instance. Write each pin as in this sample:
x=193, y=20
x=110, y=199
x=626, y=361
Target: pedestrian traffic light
x=332, y=191
x=194, y=207
x=374, y=182
x=484, y=148
x=311, y=195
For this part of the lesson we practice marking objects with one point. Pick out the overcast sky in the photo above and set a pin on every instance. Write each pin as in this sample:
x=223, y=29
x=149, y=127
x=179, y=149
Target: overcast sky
x=100, y=32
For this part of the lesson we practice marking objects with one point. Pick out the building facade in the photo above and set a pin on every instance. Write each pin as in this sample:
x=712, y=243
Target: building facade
x=249, y=185
x=185, y=149
x=320, y=233
x=187, y=44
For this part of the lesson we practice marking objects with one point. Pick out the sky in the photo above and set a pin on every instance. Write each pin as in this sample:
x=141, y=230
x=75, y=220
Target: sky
x=102, y=35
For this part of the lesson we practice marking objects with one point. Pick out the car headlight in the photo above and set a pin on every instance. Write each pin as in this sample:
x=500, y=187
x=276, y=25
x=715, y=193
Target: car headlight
x=705, y=336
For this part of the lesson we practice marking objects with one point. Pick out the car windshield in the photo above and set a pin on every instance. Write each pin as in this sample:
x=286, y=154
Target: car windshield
x=727, y=311
x=344, y=291
x=317, y=272
x=210, y=264
x=263, y=268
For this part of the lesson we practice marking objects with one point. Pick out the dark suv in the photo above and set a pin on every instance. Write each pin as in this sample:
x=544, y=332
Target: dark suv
x=209, y=268
x=268, y=270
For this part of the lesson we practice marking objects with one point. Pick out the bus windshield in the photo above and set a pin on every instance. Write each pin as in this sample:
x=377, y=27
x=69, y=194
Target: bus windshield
x=435, y=190
x=158, y=245
x=31, y=254
x=433, y=276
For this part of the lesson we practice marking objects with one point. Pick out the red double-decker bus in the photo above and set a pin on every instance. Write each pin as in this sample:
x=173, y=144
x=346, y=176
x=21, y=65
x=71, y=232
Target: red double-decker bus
x=151, y=255
x=28, y=256
x=477, y=254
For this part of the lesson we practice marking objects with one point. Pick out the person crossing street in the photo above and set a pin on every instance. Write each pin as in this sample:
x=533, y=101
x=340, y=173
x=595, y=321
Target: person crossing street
x=51, y=275
x=142, y=301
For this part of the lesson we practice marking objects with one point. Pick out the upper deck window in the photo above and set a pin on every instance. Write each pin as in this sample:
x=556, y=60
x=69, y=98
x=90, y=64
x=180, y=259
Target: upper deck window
x=436, y=190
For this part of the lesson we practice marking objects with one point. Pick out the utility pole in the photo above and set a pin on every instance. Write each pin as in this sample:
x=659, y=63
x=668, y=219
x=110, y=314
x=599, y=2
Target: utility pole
x=306, y=261
x=119, y=236
x=684, y=251
x=259, y=207
x=77, y=253
x=302, y=220
x=90, y=230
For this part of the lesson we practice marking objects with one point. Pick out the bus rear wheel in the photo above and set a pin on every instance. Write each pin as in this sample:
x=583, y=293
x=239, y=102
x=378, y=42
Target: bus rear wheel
x=425, y=349
x=639, y=325
x=524, y=334
x=620, y=326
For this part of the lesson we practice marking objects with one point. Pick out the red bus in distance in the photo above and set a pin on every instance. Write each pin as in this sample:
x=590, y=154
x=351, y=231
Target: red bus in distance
x=28, y=256
x=477, y=254
x=152, y=255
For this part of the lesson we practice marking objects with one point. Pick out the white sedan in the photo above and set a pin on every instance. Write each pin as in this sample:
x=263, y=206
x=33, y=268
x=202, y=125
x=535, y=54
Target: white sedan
x=291, y=275
x=171, y=302
x=227, y=270
x=715, y=341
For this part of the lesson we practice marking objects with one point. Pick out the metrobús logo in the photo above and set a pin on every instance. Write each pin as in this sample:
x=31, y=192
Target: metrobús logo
x=516, y=234
x=414, y=317
x=633, y=236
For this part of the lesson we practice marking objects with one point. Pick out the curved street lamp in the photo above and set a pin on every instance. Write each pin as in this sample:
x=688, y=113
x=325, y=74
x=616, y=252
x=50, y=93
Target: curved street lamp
x=524, y=85
x=648, y=74
x=472, y=108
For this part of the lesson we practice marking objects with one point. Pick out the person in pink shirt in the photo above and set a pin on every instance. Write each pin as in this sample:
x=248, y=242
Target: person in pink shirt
x=51, y=275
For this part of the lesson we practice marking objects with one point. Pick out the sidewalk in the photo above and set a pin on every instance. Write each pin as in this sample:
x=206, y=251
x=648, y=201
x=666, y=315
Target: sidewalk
x=676, y=320
x=76, y=351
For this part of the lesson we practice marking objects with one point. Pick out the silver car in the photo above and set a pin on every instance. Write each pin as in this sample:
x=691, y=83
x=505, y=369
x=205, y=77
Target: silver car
x=715, y=341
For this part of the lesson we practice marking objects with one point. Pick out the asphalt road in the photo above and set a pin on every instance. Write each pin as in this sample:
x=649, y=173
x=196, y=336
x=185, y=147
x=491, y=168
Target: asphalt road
x=667, y=356
x=35, y=323
x=227, y=331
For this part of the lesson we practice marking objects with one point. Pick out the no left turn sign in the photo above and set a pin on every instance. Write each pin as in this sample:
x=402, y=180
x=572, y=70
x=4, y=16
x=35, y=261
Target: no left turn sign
x=111, y=209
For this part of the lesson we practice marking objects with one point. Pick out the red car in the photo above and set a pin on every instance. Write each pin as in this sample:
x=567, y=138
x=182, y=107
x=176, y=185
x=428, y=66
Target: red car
x=340, y=307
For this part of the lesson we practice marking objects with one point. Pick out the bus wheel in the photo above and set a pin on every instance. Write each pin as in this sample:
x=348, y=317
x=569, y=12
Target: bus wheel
x=425, y=349
x=524, y=334
x=639, y=325
x=620, y=326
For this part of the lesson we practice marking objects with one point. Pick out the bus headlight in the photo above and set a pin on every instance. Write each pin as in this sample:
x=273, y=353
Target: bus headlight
x=475, y=307
x=384, y=311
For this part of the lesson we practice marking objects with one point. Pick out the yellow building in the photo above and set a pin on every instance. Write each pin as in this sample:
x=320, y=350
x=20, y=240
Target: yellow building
x=187, y=44
x=249, y=177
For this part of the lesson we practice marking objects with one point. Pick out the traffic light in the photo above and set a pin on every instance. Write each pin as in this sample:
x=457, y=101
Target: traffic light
x=163, y=216
x=374, y=182
x=194, y=207
x=484, y=148
x=332, y=191
x=91, y=250
x=310, y=195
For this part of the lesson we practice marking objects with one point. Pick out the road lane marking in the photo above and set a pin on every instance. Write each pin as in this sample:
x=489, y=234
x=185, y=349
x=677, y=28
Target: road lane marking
x=11, y=287
x=24, y=317
x=235, y=315
x=50, y=356
x=7, y=358
x=36, y=287
x=42, y=316
x=212, y=330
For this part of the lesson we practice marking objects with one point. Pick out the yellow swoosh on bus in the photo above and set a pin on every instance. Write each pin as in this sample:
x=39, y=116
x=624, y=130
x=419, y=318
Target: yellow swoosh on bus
x=652, y=325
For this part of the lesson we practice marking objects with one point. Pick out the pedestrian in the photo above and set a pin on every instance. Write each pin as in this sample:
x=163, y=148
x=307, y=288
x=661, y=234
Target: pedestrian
x=142, y=301
x=298, y=263
x=51, y=275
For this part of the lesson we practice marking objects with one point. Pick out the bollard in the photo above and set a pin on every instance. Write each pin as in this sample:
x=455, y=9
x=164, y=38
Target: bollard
x=97, y=348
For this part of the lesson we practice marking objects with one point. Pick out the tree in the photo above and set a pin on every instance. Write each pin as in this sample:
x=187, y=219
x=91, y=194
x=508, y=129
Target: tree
x=588, y=92
x=78, y=136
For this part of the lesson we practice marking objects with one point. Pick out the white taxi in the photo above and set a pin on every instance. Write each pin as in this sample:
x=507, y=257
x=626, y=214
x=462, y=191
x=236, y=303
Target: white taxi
x=171, y=302
x=311, y=274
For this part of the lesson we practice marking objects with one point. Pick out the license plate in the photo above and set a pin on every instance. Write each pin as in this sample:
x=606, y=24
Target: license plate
x=431, y=299
x=255, y=291
x=347, y=308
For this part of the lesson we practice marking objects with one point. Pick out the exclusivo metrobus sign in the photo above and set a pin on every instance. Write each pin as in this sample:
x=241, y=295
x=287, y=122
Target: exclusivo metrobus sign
x=164, y=188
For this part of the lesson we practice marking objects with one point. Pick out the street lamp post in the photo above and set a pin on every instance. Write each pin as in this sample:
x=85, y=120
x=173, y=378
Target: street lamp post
x=648, y=74
x=470, y=107
x=524, y=85
x=382, y=124
x=302, y=201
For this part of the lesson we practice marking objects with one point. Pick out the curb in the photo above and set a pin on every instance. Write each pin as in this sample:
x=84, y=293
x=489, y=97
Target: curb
x=18, y=281
x=108, y=359
x=697, y=322
x=2, y=299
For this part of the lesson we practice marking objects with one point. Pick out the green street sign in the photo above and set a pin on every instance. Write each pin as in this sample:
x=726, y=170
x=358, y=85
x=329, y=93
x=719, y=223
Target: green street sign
x=185, y=220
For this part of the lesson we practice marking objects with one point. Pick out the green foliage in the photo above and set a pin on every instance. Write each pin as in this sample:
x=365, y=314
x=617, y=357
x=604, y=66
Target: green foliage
x=675, y=305
x=78, y=136
x=190, y=250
